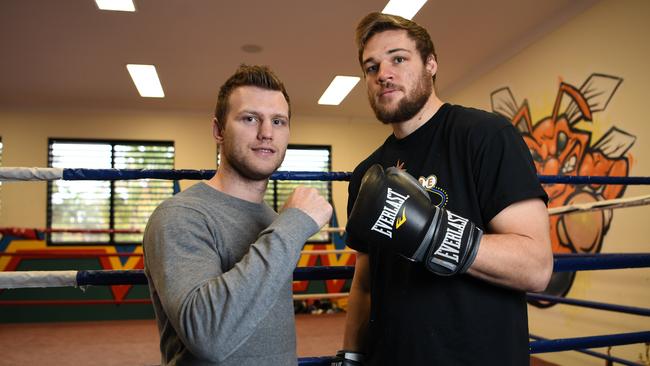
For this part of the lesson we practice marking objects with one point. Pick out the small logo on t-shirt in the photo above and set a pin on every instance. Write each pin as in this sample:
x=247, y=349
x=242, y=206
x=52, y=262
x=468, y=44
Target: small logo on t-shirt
x=428, y=182
x=438, y=195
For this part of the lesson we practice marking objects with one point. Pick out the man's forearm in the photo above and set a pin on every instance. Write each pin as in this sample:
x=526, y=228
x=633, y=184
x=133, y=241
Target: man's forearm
x=517, y=252
x=356, y=324
x=513, y=261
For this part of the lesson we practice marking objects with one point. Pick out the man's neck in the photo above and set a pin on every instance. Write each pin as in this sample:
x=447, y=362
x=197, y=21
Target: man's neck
x=231, y=183
x=403, y=129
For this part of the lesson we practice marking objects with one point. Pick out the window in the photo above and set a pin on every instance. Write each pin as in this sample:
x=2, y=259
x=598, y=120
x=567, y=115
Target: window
x=306, y=158
x=120, y=204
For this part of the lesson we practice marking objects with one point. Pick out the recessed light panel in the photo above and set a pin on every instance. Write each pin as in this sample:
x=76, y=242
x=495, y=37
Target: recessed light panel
x=404, y=8
x=146, y=80
x=339, y=88
x=116, y=5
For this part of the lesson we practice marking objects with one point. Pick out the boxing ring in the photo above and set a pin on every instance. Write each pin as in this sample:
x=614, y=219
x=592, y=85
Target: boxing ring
x=563, y=263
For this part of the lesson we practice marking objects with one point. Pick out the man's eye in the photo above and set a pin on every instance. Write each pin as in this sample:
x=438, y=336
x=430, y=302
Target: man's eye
x=279, y=122
x=249, y=119
x=371, y=69
x=399, y=59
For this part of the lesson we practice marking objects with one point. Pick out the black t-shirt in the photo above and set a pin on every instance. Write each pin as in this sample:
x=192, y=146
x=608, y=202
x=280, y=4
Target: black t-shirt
x=474, y=164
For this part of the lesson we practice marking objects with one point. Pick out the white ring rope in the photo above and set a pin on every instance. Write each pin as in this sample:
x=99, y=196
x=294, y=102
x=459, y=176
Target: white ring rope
x=26, y=174
x=601, y=205
x=33, y=279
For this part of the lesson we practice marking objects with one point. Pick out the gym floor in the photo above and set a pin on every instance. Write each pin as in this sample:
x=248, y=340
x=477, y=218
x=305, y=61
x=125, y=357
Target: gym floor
x=131, y=342
x=135, y=342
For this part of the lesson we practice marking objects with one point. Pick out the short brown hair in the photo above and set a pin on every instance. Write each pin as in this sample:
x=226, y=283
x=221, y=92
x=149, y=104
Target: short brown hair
x=374, y=23
x=247, y=75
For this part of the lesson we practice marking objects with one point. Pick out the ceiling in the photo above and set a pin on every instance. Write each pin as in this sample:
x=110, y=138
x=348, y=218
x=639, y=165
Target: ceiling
x=69, y=54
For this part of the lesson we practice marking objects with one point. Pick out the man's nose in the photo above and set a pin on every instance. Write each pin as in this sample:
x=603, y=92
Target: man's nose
x=384, y=73
x=265, y=130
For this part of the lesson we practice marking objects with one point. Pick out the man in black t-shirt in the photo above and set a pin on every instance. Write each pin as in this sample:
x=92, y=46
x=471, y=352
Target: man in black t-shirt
x=471, y=163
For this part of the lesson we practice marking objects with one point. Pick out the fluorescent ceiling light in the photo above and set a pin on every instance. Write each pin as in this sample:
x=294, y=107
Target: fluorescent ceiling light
x=146, y=80
x=117, y=5
x=338, y=90
x=404, y=8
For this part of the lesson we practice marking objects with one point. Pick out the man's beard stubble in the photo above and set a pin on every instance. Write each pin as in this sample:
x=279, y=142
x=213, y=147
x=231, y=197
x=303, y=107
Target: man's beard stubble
x=239, y=164
x=409, y=106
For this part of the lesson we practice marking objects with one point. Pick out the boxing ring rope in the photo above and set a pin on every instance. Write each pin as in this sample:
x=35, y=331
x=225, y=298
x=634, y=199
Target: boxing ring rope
x=569, y=344
x=562, y=262
x=590, y=304
x=589, y=352
x=588, y=262
x=40, y=174
x=21, y=279
x=43, y=254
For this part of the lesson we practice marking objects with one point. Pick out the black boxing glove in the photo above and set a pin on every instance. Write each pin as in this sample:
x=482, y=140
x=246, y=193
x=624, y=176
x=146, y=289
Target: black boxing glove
x=394, y=211
x=348, y=358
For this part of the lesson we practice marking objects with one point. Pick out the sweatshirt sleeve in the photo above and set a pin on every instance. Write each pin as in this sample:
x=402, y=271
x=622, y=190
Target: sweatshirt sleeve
x=215, y=312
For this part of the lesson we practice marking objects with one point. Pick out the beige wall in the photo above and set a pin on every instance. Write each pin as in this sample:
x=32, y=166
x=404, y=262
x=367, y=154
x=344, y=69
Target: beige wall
x=613, y=37
x=25, y=135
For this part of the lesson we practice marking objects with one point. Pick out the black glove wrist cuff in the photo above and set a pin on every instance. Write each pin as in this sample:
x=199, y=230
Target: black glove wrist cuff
x=350, y=355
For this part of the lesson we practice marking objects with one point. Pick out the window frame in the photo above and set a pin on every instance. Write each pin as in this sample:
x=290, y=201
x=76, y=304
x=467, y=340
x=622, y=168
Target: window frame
x=328, y=235
x=111, y=201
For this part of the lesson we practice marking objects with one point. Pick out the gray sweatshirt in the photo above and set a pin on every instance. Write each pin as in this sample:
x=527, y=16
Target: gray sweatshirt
x=220, y=276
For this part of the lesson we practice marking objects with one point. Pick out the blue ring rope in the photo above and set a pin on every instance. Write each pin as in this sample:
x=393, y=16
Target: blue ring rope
x=120, y=174
x=323, y=273
x=591, y=304
x=126, y=174
x=568, y=179
x=594, y=353
x=585, y=262
x=108, y=277
x=569, y=344
x=562, y=263
x=315, y=361
x=137, y=276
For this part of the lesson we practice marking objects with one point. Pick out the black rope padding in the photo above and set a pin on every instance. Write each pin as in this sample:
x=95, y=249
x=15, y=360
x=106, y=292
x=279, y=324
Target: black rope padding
x=106, y=277
x=323, y=273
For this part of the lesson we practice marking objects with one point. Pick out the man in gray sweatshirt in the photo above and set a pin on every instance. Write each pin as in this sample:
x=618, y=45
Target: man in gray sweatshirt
x=218, y=259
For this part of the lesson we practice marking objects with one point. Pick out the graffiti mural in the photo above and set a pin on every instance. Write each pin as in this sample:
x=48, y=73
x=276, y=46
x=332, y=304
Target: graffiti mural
x=560, y=144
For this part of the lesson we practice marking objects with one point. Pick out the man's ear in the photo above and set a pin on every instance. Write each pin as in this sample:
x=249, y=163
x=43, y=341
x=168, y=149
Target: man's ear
x=431, y=65
x=216, y=131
